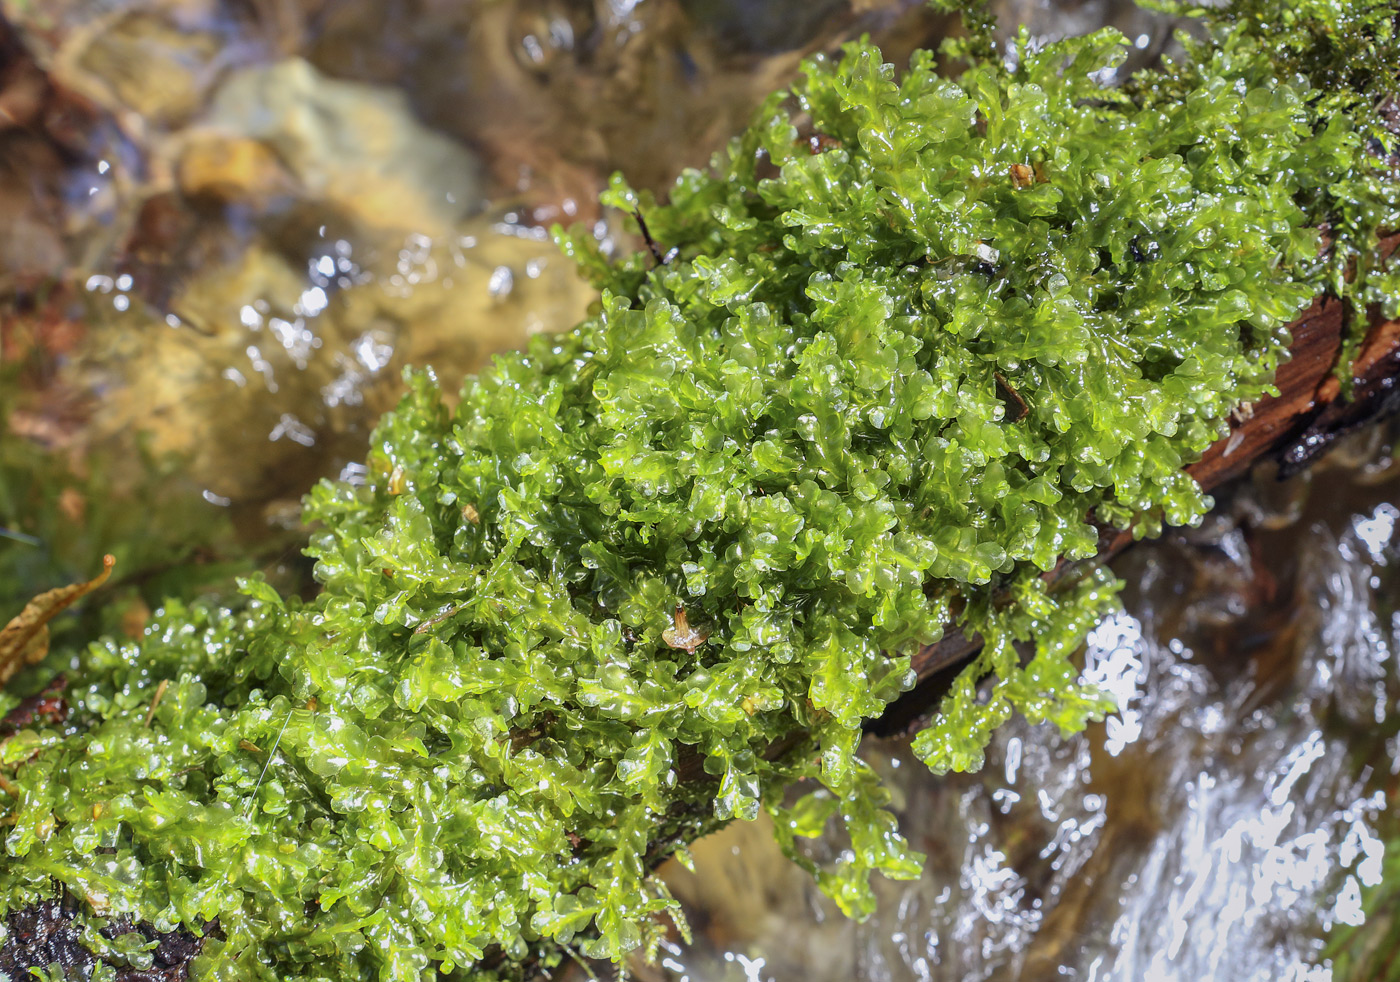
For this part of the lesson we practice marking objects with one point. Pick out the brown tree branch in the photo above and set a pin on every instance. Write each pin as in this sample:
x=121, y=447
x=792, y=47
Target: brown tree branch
x=1292, y=429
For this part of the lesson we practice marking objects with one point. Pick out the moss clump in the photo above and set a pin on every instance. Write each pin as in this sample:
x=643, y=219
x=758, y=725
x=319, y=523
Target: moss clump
x=1340, y=57
x=903, y=352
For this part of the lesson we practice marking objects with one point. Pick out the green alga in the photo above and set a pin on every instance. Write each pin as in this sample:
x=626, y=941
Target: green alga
x=892, y=358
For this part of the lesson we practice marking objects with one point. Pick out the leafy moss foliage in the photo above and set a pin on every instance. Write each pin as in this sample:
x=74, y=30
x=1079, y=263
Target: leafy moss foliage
x=647, y=576
x=1340, y=56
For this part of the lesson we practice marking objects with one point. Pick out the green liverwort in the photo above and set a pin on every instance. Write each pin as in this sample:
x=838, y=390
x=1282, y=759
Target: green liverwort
x=918, y=335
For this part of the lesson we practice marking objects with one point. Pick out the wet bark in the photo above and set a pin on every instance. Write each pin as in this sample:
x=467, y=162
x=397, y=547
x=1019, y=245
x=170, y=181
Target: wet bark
x=1291, y=430
x=48, y=933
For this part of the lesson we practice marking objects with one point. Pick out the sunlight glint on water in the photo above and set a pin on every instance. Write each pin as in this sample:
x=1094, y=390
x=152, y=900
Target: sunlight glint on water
x=1214, y=828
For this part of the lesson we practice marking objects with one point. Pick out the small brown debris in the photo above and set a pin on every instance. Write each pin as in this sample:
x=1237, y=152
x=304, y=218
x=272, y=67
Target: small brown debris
x=470, y=513
x=398, y=481
x=682, y=636
x=1012, y=396
x=25, y=640
x=1022, y=176
x=46, y=707
x=433, y=622
x=820, y=143
x=155, y=701
x=662, y=257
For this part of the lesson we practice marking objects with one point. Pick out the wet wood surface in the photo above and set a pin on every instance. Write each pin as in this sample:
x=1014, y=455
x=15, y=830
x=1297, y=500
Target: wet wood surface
x=1292, y=429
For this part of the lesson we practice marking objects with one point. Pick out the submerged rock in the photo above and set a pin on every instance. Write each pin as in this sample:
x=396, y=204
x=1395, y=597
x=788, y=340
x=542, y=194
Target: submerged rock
x=278, y=360
x=355, y=146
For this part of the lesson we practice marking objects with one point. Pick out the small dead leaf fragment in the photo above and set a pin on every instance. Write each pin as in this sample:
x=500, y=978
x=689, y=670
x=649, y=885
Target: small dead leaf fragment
x=470, y=513
x=442, y=615
x=1012, y=398
x=249, y=746
x=25, y=640
x=682, y=636
x=1022, y=176
x=398, y=481
x=155, y=701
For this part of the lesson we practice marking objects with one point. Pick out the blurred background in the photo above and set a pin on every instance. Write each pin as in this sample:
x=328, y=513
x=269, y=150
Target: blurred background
x=226, y=225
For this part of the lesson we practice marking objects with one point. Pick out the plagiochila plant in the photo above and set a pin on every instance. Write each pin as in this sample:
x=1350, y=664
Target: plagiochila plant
x=919, y=338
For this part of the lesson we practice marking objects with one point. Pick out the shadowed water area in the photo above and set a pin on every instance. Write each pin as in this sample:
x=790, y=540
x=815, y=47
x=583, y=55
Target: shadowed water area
x=226, y=227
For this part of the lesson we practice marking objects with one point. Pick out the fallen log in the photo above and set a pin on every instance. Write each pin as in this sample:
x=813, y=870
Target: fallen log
x=1289, y=431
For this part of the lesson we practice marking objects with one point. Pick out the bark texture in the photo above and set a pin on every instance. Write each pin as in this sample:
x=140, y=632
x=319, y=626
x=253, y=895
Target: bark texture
x=47, y=934
x=1292, y=429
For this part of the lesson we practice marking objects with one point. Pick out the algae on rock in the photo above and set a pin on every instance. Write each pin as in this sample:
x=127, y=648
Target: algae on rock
x=891, y=356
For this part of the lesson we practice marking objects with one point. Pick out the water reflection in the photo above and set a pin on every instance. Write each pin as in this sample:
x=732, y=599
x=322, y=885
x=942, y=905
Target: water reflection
x=1218, y=826
x=231, y=226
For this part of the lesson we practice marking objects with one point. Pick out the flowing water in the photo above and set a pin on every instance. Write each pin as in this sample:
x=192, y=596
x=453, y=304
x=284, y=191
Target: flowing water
x=225, y=227
x=1230, y=814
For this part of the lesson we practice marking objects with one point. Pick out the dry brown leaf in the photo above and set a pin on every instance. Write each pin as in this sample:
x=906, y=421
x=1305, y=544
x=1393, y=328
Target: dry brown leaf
x=25, y=640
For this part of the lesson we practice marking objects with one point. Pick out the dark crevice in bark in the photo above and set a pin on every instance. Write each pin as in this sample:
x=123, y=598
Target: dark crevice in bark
x=48, y=933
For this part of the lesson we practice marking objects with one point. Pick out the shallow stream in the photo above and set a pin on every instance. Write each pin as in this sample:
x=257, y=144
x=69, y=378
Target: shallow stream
x=1230, y=814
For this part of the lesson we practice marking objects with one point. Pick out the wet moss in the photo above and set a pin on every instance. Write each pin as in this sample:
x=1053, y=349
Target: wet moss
x=893, y=355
